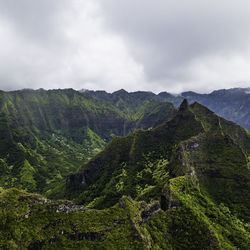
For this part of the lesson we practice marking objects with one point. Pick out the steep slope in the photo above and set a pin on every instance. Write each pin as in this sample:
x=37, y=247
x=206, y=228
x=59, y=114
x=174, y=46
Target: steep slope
x=191, y=143
x=211, y=121
x=187, y=182
x=46, y=135
x=127, y=157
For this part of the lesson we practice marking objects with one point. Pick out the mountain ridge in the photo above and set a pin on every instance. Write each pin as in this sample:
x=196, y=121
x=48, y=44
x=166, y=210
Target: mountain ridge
x=188, y=124
x=231, y=104
x=181, y=185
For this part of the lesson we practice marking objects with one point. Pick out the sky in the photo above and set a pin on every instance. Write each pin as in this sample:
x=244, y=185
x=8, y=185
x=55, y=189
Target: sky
x=152, y=45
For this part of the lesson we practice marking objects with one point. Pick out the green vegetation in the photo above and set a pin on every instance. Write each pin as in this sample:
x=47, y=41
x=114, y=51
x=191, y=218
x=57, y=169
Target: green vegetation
x=47, y=135
x=183, y=184
x=195, y=165
x=31, y=222
x=232, y=104
x=194, y=221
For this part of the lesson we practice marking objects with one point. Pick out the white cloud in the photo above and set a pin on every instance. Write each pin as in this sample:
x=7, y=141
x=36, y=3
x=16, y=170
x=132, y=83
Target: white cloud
x=82, y=54
x=161, y=45
x=174, y=40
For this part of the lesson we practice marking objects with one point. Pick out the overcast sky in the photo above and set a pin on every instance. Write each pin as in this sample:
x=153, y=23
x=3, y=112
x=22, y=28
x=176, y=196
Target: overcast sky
x=152, y=45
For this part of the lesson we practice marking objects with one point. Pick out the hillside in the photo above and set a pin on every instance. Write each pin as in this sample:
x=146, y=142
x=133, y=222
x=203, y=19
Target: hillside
x=182, y=185
x=46, y=135
x=194, y=141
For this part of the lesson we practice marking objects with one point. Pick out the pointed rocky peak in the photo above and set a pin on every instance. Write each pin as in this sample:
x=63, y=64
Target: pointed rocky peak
x=184, y=105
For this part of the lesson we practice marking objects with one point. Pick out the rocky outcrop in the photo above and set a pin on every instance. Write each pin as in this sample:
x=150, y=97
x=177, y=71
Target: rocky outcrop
x=184, y=105
x=168, y=201
x=58, y=206
x=146, y=214
x=68, y=207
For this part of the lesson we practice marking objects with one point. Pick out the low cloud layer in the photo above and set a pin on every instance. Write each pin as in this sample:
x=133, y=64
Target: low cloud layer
x=161, y=45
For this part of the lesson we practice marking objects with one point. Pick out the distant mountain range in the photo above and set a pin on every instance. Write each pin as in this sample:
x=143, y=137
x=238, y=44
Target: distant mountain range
x=232, y=104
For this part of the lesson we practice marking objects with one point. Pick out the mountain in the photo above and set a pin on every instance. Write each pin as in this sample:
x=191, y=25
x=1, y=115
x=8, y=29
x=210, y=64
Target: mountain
x=181, y=185
x=232, y=104
x=196, y=140
x=46, y=135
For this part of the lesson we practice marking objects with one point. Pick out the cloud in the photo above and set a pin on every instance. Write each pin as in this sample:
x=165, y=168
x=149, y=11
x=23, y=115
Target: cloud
x=66, y=46
x=161, y=45
x=176, y=39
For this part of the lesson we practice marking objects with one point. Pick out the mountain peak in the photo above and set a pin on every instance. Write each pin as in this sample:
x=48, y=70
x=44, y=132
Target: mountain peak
x=184, y=105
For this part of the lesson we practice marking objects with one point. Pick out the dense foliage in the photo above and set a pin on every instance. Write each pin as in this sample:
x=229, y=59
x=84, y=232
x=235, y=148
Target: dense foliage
x=46, y=135
x=183, y=184
x=195, y=165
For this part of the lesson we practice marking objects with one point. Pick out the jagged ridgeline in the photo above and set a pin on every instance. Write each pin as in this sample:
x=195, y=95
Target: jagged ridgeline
x=232, y=104
x=197, y=167
x=46, y=135
x=181, y=185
